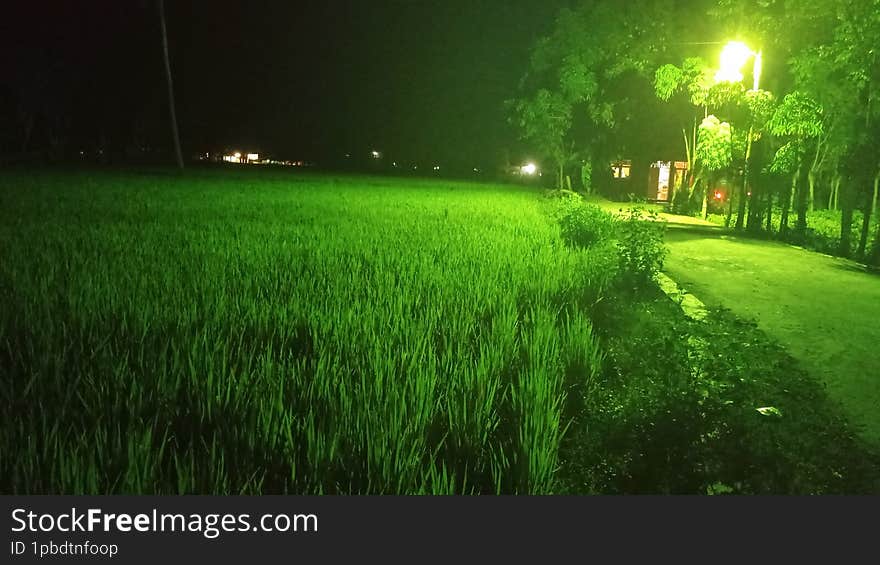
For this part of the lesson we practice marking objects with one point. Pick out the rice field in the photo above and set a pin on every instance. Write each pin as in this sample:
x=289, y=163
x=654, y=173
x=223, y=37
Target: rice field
x=240, y=332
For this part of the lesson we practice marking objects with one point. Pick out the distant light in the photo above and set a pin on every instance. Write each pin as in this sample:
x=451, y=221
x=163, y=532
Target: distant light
x=528, y=169
x=436, y=167
x=237, y=155
x=376, y=154
x=253, y=156
x=394, y=164
x=348, y=155
x=717, y=195
x=476, y=170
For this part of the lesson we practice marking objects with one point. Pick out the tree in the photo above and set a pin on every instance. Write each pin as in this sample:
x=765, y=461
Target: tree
x=854, y=51
x=800, y=119
x=760, y=104
x=174, y=132
x=713, y=151
x=545, y=121
x=692, y=82
x=597, y=61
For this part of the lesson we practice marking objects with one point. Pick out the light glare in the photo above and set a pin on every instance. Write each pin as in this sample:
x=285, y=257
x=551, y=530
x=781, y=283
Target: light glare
x=733, y=58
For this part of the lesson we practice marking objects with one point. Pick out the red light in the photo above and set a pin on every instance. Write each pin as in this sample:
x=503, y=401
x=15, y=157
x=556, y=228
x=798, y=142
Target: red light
x=717, y=195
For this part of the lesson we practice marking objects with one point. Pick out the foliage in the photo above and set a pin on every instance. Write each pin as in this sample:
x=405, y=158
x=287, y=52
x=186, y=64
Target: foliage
x=587, y=176
x=667, y=80
x=583, y=225
x=594, y=72
x=798, y=116
x=640, y=247
x=694, y=78
x=714, y=144
x=545, y=120
x=786, y=159
x=761, y=105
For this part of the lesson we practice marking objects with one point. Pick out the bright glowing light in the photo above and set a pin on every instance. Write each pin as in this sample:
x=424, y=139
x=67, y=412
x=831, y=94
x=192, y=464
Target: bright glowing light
x=436, y=167
x=375, y=154
x=733, y=58
x=717, y=195
x=529, y=169
x=759, y=66
x=253, y=156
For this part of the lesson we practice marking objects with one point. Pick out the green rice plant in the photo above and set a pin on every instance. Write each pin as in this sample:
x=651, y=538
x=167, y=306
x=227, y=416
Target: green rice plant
x=251, y=333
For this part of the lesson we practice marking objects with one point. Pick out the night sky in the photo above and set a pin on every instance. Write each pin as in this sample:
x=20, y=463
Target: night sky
x=421, y=81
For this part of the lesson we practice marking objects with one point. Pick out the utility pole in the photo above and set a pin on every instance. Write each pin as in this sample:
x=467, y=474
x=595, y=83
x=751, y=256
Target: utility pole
x=175, y=134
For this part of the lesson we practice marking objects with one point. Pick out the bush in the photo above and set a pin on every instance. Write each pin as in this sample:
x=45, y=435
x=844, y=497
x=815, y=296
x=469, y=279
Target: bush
x=582, y=225
x=640, y=246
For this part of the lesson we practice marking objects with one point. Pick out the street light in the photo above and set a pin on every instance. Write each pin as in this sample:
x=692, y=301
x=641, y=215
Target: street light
x=733, y=57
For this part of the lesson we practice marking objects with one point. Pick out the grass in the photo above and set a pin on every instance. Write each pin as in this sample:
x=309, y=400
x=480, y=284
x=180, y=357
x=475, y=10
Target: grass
x=231, y=333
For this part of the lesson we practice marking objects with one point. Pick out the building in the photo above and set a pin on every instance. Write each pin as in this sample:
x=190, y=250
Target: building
x=663, y=179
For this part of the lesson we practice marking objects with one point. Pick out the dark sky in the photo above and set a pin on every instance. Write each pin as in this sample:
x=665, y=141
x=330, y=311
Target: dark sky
x=415, y=79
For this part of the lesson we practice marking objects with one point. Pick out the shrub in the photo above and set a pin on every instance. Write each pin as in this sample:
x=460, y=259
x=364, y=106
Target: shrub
x=640, y=246
x=582, y=225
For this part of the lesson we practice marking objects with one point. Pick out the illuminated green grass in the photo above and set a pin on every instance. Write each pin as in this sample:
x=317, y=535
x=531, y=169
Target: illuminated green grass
x=234, y=333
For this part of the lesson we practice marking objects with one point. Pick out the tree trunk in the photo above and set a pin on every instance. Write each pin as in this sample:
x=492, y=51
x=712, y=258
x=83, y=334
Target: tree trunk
x=174, y=132
x=846, y=218
x=876, y=194
x=834, y=194
x=874, y=258
x=837, y=192
x=744, y=189
x=818, y=159
x=728, y=217
x=755, y=211
x=801, y=226
x=704, y=211
x=866, y=229
x=769, y=212
x=811, y=182
x=787, y=203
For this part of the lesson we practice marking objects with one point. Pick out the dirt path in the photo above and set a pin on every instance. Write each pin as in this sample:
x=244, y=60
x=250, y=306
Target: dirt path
x=824, y=310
